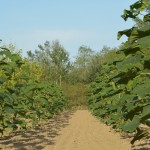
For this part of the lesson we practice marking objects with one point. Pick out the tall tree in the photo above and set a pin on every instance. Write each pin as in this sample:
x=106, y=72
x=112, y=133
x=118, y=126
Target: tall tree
x=60, y=60
x=54, y=58
x=84, y=56
x=82, y=62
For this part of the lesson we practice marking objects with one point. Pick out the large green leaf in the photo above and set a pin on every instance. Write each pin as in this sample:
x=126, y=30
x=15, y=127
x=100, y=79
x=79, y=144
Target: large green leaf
x=126, y=32
x=146, y=111
x=132, y=125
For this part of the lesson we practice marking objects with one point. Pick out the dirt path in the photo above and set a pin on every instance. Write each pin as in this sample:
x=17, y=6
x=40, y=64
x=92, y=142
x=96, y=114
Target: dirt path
x=70, y=131
x=86, y=133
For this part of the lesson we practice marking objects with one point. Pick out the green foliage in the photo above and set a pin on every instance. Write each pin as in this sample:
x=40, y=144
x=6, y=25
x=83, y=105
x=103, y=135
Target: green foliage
x=54, y=59
x=136, y=9
x=76, y=94
x=25, y=98
x=81, y=64
x=120, y=95
x=88, y=63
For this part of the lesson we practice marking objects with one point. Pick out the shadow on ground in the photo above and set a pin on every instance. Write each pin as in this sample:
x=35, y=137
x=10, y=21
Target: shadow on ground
x=39, y=137
x=138, y=145
x=142, y=145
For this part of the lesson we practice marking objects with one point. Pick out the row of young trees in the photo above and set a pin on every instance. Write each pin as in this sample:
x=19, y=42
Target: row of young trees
x=26, y=96
x=120, y=95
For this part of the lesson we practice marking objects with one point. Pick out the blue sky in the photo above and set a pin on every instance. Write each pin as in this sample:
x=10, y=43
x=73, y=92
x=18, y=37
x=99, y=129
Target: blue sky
x=94, y=23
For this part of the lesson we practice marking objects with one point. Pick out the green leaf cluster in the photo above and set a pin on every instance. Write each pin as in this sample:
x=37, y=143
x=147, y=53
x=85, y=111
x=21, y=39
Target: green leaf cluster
x=120, y=95
x=25, y=98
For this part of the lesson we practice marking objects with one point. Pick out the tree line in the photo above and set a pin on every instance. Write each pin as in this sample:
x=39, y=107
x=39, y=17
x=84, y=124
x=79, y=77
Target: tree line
x=73, y=76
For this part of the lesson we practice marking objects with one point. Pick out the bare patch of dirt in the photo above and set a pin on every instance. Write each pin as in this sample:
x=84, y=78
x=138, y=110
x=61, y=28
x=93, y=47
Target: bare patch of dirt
x=76, y=130
x=37, y=138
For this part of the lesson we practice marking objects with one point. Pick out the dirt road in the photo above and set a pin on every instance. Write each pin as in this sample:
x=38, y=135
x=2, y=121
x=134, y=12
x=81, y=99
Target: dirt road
x=77, y=130
x=85, y=132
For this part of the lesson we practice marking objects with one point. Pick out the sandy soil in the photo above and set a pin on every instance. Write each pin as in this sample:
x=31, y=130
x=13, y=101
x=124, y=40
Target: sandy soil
x=77, y=130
